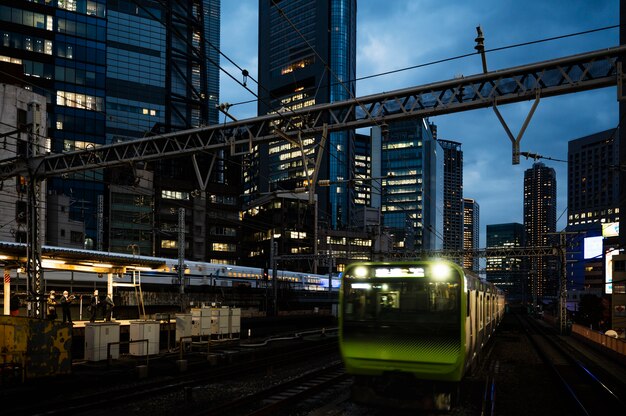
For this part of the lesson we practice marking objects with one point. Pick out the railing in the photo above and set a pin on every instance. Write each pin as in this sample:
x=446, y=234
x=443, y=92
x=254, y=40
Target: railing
x=109, y=344
x=189, y=340
x=614, y=344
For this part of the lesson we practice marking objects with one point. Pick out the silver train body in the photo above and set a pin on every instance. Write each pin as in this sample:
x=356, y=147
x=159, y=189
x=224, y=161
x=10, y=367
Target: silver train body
x=197, y=274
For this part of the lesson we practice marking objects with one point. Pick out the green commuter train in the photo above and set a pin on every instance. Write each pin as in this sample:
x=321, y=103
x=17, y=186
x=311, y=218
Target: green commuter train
x=423, y=322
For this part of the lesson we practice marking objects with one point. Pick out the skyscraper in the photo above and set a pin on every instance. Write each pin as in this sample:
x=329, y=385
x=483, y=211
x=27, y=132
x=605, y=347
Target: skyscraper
x=114, y=71
x=412, y=200
x=471, y=232
x=452, y=195
x=307, y=56
x=539, y=223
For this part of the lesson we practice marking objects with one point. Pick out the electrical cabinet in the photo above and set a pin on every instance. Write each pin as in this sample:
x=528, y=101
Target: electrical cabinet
x=98, y=335
x=149, y=330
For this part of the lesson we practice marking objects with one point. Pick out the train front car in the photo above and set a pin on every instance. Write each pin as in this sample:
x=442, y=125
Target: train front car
x=403, y=324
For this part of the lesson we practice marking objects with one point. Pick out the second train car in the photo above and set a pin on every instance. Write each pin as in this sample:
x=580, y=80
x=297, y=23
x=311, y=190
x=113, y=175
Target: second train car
x=418, y=325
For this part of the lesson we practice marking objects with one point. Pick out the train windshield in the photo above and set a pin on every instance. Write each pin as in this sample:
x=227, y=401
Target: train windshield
x=390, y=298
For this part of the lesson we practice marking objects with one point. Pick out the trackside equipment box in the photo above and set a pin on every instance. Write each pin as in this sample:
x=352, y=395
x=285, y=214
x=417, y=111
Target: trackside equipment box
x=97, y=336
x=149, y=330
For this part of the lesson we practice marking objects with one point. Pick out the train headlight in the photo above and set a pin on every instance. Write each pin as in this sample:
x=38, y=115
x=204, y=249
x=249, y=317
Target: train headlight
x=441, y=271
x=360, y=272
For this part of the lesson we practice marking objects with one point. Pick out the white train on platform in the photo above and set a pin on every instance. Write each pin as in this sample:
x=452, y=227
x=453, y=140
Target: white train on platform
x=198, y=274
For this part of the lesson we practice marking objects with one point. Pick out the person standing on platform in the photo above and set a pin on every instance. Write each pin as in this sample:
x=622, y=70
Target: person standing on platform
x=52, y=306
x=93, y=306
x=66, y=301
x=108, y=308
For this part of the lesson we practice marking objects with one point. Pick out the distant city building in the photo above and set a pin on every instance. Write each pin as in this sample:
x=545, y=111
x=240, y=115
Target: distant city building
x=412, y=201
x=540, y=226
x=452, y=196
x=471, y=233
x=507, y=272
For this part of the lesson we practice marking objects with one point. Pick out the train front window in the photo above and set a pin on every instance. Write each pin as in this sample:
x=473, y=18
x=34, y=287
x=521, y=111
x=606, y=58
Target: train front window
x=392, y=299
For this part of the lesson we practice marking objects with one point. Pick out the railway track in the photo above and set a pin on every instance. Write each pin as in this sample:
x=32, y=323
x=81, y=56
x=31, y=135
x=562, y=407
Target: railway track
x=281, y=397
x=149, y=392
x=589, y=390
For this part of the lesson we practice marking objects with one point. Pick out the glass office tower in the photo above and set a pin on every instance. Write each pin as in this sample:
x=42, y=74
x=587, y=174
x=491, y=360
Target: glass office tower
x=307, y=56
x=412, y=199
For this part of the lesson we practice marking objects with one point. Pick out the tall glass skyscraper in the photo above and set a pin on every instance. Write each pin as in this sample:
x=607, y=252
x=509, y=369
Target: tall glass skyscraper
x=412, y=200
x=307, y=56
x=117, y=70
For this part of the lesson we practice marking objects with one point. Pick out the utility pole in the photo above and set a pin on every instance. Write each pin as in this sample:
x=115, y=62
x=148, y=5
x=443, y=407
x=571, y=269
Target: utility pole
x=273, y=250
x=181, y=258
x=563, y=283
x=100, y=223
x=33, y=242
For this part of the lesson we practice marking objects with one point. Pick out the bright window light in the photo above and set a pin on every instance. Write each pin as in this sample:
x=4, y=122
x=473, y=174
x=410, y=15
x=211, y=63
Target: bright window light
x=365, y=286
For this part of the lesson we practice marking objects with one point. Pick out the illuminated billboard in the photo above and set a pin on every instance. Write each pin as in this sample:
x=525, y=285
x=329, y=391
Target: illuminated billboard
x=610, y=229
x=593, y=247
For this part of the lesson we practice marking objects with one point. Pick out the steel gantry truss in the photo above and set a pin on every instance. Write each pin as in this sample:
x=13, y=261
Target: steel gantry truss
x=549, y=78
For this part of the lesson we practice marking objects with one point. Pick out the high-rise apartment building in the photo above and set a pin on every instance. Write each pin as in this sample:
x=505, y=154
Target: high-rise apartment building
x=452, y=195
x=114, y=71
x=471, y=233
x=539, y=224
x=507, y=272
x=412, y=199
x=307, y=56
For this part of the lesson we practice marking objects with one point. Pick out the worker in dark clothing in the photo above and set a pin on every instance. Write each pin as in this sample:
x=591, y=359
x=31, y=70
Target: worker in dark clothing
x=108, y=308
x=66, y=301
x=52, y=306
x=93, y=306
